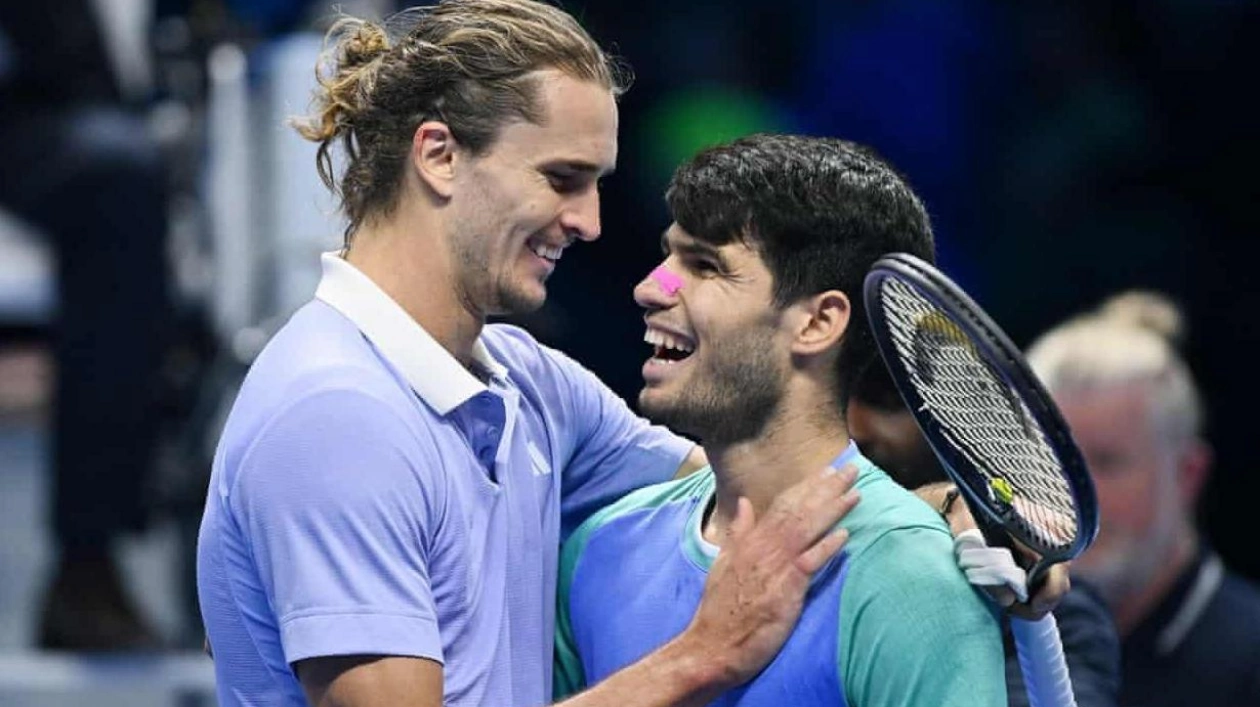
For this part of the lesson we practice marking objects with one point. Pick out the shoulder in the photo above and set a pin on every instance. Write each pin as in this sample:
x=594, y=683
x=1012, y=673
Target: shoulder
x=320, y=348
x=695, y=485
x=528, y=360
x=320, y=397
x=1234, y=615
x=316, y=350
x=317, y=406
x=889, y=515
x=510, y=344
x=330, y=437
x=901, y=554
x=334, y=462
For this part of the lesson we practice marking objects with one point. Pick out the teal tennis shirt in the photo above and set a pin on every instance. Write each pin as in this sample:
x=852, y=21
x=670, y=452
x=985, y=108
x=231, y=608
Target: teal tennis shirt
x=890, y=621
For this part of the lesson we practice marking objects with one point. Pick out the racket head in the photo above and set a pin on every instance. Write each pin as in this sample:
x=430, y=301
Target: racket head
x=1011, y=454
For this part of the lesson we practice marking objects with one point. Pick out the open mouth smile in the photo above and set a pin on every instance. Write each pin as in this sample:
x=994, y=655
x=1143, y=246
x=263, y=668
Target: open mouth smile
x=668, y=347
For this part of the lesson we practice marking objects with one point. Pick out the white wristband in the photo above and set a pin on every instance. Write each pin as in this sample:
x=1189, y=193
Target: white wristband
x=989, y=566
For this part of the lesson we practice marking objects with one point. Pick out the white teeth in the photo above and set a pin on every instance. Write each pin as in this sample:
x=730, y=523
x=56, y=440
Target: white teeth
x=549, y=252
x=657, y=337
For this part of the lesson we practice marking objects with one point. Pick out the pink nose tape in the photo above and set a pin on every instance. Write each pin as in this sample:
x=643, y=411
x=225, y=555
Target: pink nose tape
x=668, y=281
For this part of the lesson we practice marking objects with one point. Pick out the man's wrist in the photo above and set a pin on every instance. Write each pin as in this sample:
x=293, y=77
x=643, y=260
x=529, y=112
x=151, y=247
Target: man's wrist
x=699, y=668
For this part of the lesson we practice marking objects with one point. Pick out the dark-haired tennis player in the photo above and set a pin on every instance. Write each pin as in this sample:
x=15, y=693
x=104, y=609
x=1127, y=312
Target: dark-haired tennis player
x=758, y=330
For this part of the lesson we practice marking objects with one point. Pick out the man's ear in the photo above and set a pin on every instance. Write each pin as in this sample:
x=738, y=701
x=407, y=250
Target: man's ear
x=433, y=156
x=822, y=321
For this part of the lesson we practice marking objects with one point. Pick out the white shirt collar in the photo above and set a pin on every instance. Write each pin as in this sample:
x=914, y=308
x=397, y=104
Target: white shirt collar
x=431, y=370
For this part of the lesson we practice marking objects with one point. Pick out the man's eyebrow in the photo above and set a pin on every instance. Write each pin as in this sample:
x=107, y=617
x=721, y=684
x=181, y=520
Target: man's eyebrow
x=579, y=166
x=692, y=246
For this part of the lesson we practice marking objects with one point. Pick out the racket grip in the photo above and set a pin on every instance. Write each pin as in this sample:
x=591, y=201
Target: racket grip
x=1041, y=661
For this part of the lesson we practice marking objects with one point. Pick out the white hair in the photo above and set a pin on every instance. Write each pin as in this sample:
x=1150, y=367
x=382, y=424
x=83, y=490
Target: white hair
x=1132, y=338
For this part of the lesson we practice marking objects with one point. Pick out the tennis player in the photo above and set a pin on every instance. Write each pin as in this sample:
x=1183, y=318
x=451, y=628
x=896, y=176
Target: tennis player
x=758, y=331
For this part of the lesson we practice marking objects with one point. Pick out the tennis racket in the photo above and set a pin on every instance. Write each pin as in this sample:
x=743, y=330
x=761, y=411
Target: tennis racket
x=997, y=433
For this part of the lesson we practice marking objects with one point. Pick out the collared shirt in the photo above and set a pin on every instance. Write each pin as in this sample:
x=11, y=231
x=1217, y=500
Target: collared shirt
x=370, y=495
x=1200, y=646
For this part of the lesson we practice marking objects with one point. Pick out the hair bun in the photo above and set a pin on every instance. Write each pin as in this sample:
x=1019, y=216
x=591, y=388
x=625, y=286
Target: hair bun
x=344, y=74
x=1147, y=310
x=361, y=42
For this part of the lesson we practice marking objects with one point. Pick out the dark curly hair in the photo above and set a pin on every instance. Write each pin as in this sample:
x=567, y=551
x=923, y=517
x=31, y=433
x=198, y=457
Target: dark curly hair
x=819, y=211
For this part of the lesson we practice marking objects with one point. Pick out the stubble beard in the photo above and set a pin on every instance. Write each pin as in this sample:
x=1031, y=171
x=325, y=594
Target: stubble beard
x=740, y=395
x=1128, y=562
x=486, y=291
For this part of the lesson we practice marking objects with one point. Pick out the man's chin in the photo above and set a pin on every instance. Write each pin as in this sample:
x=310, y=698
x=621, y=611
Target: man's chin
x=654, y=405
x=650, y=406
x=520, y=301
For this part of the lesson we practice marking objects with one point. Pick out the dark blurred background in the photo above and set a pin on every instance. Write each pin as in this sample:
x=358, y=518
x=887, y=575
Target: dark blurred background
x=1066, y=150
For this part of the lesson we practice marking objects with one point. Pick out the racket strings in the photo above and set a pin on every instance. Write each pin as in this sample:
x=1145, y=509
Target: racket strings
x=981, y=416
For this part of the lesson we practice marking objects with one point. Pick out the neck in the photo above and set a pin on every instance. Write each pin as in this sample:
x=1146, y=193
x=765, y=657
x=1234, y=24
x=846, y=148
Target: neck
x=1132, y=610
x=406, y=258
x=793, y=446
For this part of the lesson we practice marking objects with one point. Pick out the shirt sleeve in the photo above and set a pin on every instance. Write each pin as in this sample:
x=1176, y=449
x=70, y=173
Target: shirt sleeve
x=331, y=500
x=913, y=632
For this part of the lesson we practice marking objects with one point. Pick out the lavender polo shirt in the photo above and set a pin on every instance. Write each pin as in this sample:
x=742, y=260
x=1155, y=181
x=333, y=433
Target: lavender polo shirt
x=372, y=496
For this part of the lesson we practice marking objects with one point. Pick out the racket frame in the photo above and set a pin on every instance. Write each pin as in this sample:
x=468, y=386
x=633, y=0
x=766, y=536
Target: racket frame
x=1005, y=361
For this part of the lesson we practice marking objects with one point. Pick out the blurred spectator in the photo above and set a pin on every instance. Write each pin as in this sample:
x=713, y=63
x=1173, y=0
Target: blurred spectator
x=888, y=435
x=1190, y=628
x=81, y=166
